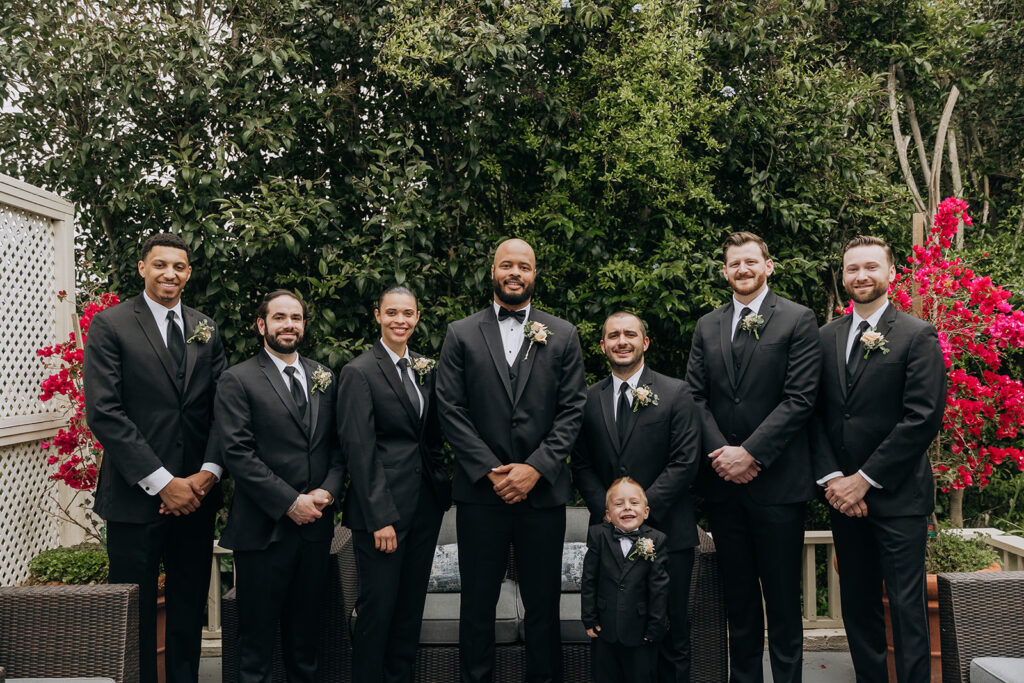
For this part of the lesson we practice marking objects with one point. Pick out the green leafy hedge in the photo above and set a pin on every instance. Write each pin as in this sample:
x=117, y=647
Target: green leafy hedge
x=81, y=564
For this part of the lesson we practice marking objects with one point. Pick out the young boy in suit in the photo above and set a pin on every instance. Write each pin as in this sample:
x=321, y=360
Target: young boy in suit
x=624, y=592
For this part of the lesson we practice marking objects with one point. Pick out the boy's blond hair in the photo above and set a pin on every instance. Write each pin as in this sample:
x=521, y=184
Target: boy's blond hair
x=623, y=480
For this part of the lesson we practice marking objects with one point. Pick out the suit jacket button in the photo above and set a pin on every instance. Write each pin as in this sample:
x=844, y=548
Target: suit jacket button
x=622, y=586
x=736, y=400
x=846, y=416
x=417, y=470
x=622, y=471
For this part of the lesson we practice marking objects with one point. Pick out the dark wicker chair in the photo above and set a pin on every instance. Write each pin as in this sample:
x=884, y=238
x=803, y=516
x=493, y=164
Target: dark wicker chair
x=980, y=615
x=70, y=632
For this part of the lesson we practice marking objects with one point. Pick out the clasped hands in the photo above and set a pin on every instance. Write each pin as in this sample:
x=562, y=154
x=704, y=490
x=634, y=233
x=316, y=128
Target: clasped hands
x=308, y=507
x=183, y=495
x=846, y=494
x=514, y=481
x=734, y=464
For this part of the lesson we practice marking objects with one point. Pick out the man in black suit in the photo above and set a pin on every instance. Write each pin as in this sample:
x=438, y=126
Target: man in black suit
x=150, y=368
x=510, y=391
x=658, y=445
x=754, y=368
x=883, y=393
x=398, y=490
x=274, y=422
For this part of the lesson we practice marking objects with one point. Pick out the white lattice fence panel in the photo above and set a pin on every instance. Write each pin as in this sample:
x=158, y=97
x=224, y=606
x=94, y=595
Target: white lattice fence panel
x=27, y=309
x=25, y=528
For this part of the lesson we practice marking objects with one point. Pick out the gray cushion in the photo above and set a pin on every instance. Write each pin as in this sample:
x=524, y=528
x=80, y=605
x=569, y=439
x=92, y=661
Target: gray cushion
x=572, y=566
x=444, y=572
x=997, y=670
x=577, y=521
x=441, y=617
x=447, y=533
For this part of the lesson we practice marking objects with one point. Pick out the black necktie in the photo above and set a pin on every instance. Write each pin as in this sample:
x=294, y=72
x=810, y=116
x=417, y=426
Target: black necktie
x=175, y=341
x=410, y=390
x=298, y=391
x=504, y=313
x=741, y=339
x=856, y=356
x=622, y=418
x=618, y=533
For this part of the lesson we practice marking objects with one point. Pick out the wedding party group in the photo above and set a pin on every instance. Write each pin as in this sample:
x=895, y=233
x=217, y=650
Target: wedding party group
x=772, y=412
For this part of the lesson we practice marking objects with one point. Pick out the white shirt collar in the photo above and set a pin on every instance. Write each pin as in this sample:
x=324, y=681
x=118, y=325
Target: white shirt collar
x=872, y=319
x=632, y=381
x=497, y=306
x=281, y=365
x=159, y=312
x=394, y=356
x=754, y=305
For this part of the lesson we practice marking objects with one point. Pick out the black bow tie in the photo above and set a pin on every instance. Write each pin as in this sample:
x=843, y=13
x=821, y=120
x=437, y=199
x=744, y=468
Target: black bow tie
x=631, y=535
x=519, y=315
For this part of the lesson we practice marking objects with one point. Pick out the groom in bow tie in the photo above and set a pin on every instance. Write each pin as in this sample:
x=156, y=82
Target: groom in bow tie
x=510, y=390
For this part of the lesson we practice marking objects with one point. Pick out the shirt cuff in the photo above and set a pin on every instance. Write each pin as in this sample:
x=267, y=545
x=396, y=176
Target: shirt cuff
x=869, y=480
x=155, y=483
x=829, y=477
x=214, y=469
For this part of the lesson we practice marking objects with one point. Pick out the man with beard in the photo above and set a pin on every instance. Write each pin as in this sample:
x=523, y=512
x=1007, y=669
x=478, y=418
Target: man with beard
x=754, y=368
x=510, y=390
x=274, y=420
x=641, y=424
x=883, y=393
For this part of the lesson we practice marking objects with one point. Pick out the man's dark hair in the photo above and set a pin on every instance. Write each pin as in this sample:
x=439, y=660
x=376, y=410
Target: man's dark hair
x=870, y=241
x=165, y=239
x=261, y=312
x=620, y=314
x=738, y=239
x=397, y=289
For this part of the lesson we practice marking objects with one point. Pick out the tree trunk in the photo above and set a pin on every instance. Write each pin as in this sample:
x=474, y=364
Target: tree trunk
x=956, y=508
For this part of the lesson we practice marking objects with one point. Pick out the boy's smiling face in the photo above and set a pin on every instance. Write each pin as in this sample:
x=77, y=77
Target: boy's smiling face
x=626, y=506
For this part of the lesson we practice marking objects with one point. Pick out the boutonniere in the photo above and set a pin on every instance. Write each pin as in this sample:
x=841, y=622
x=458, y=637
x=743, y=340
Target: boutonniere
x=423, y=366
x=644, y=549
x=202, y=333
x=321, y=380
x=537, y=333
x=874, y=340
x=753, y=322
x=643, y=397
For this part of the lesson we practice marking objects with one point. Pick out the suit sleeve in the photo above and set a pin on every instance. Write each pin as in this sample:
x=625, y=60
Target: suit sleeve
x=824, y=457
x=684, y=454
x=472, y=454
x=924, y=402
x=123, y=444
x=585, y=477
x=554, y=449
x=334, y=480
x=657, y=597
x=233, y=427
x=218, y=364
x=790, y=416
x=589, y=582
x=435, y=449
x=700, y=383
x=358, y=436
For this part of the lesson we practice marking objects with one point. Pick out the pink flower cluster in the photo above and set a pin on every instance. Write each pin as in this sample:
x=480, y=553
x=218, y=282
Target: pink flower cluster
x=976, y=325
x=73, y=448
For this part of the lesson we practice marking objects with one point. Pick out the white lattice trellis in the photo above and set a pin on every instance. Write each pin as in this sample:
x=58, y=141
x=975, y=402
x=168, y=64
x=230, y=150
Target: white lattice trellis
x=25, y=528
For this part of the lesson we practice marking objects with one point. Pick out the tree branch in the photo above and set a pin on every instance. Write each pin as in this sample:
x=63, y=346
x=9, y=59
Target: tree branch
x=902, y=142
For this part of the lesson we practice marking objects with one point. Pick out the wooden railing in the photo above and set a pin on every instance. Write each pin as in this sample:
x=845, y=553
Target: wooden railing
x=1010, y=548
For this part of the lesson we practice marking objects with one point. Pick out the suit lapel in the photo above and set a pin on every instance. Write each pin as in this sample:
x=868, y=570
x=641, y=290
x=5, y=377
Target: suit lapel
x=492, y=337
x=842, y=334
x=645, y=378
x=426, y=389
x=191, y=350
x=309, y=367
x=277, y=381
x=145, y=319
x=605, y=395
x=884, y=325
x=616, y=549
x=725, y=334
x=767, y=309
x=526, y=366
x=390, y=371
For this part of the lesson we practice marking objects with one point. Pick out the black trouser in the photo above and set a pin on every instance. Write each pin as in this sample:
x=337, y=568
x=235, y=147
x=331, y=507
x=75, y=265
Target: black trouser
x=616, y=663
x=484, y=533
x=392, y=589
x=870, y=550
x=759, y=551
x=283, y=585
x=674, y=653
x=185, y=545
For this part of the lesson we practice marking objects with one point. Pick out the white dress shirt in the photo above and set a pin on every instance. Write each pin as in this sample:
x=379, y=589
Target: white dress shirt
x=511, y=333
x=737, y=307
x=633, y=380
x=854, y=324
x=626, y=544
x=155, y=482
x=410, y=373
x=300, y=373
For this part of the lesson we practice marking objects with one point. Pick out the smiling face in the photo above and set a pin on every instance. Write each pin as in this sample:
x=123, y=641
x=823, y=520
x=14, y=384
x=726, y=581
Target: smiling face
x=626, y=506
x=624, y=342
x=867, y=273
x=397, y=316
x=283, y=326
x=165, y=271
x=746, y=270
x=514, y=273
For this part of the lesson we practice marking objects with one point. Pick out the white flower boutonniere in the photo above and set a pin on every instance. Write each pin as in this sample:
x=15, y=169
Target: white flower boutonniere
x=644, y=549
x=537, y=333
x=202, y=332
x=643, y=397
x=423, y=366
x=321, y=380
x=752, y=323
x=874, y=340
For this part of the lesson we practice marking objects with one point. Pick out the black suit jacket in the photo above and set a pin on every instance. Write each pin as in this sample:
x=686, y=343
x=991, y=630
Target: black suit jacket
x=272, y=454
x=628, y=598
x=661, y=453
x=138, y=412
x=388, y=450
x=765, y=406
x=488, y=426
x=885, y=421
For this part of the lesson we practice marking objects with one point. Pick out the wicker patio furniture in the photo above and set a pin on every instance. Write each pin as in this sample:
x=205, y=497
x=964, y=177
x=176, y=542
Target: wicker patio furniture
x=981, y=616
x=70, y=632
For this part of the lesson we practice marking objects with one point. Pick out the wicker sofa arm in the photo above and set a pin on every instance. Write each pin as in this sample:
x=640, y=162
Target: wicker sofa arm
x=980, y=615
x=70, y=632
